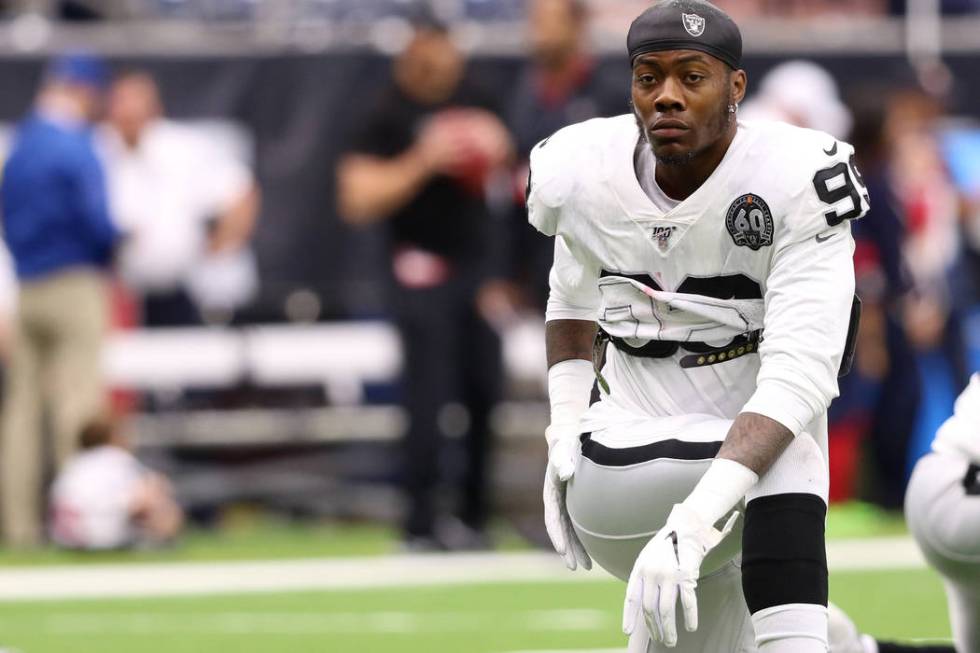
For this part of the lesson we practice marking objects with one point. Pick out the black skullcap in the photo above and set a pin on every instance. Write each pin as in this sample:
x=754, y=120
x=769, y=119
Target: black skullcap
x=686, y=25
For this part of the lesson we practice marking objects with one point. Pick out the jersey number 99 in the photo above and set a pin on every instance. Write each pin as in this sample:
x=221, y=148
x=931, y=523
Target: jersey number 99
x=831, y=192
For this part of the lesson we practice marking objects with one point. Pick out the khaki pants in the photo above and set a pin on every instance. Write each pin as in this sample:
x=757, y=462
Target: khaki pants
x=55, y=365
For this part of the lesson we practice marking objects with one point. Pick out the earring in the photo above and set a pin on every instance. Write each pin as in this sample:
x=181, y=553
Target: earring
x=732, y=108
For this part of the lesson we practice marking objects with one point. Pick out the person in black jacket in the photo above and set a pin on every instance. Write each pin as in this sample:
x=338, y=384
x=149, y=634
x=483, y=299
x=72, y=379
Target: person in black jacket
x=418, y=164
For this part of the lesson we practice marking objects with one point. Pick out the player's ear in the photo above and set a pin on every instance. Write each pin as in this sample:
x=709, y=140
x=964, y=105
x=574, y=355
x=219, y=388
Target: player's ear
x=739, y=82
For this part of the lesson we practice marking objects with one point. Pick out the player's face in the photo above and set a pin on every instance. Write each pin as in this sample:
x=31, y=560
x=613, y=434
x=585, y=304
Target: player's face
x=682, y=100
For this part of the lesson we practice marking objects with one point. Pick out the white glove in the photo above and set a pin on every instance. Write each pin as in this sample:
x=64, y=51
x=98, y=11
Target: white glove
x=668, y=567
x=564, y=451
x=639, y=641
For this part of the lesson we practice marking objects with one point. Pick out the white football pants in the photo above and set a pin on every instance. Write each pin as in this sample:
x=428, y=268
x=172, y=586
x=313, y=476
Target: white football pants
x=623, y=490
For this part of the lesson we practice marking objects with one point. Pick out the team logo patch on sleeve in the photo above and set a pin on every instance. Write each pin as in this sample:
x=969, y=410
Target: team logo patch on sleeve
x=693, y=23
x=749, y=222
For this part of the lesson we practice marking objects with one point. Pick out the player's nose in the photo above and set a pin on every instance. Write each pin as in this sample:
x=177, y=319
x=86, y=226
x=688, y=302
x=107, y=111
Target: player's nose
x=669, y=98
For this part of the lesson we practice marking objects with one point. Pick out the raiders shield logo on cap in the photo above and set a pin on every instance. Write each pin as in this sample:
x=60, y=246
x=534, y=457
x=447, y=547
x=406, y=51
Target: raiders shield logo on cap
x=693, y=23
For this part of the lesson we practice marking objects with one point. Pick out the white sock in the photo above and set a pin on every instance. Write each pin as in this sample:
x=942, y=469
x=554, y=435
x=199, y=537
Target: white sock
x=794, y=628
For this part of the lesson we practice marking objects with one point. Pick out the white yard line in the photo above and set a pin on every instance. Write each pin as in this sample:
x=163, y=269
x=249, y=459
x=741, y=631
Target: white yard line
x=170, y=579
x=196, y=578
x=898, y=552
x=317, y=623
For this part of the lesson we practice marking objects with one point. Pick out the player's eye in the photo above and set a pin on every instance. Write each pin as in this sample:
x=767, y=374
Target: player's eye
x=694, y=78
x=646, y=79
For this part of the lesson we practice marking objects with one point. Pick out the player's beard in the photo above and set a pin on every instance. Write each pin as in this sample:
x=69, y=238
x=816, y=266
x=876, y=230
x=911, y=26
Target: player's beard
x=718, y=124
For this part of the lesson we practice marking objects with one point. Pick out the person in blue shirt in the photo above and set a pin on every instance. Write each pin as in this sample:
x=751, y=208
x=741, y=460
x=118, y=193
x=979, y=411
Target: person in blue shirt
x=57, y=227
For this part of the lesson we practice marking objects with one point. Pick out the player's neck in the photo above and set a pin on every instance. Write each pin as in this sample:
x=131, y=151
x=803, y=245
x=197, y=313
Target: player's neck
x=680, y=180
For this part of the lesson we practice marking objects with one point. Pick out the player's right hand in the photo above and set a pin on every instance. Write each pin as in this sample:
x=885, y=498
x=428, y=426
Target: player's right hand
x=639, y=641
x=564, y=451
x=667, y=569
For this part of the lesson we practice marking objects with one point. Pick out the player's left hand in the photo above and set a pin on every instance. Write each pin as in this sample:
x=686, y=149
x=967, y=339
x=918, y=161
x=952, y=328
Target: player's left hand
x=667, y=569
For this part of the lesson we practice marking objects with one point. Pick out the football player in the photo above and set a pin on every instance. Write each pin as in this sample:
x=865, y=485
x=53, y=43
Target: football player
x=703, y=282
x=942, y=506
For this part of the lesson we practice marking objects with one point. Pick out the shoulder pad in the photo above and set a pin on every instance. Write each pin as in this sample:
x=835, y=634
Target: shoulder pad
x=555, y=166
x=821, y=171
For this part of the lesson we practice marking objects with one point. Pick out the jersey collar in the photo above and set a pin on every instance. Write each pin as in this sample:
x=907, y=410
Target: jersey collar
x=639, y=209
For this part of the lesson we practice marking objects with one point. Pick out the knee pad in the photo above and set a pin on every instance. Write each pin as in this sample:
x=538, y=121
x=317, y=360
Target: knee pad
x=784, y=558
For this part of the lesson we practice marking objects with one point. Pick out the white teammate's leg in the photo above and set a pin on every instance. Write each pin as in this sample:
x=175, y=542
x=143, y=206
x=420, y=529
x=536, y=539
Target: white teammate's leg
x=945, y=520
x=942, y=506
x=964, y=614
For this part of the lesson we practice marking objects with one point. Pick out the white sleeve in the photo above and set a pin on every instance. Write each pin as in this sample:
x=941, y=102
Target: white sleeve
x=574, y=278
x=228, y=182
x=574, y=285
x=808, y=307
x=222, y=179
x=809, y=293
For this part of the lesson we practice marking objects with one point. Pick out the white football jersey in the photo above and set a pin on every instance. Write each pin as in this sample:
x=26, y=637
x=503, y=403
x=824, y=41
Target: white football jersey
x=764, y=244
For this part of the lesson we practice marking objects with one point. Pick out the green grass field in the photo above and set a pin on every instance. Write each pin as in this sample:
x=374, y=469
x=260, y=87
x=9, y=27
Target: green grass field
x=476, y=618
x=471, y=619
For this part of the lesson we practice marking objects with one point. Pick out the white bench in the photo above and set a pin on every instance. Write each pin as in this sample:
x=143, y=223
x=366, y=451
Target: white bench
x=342, y=356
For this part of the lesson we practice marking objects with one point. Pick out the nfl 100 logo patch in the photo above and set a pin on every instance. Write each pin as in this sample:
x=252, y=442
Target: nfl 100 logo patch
x=661, y=235
x=693, y=23
x=749, y=222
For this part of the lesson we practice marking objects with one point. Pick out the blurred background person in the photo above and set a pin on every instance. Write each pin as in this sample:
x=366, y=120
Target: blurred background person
x=418, y=163
x=800, y=93
x=934, y=248
x=886, y=387
x=187, y=207
x=104, y=498
x=56, y=224
x=561, y=84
